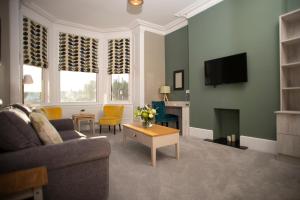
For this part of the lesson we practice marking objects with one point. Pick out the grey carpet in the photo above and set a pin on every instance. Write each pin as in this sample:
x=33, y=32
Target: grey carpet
x=204, y=171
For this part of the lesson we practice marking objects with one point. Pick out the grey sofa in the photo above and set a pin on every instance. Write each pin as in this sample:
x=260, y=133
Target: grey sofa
x=78, y=168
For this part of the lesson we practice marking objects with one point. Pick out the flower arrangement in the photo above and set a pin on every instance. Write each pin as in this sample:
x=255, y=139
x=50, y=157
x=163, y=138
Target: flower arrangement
x=146, y=114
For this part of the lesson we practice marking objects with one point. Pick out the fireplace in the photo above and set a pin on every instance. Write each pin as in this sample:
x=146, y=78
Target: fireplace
x=227, y=127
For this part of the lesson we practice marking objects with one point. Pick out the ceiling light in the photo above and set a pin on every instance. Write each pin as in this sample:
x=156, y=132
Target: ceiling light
x=136, y=2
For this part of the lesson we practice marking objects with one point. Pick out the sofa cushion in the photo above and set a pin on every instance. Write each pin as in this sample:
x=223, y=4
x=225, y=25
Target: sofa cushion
x=16, y=131
x=23, y=108
x=46, y=132
x=70, y=135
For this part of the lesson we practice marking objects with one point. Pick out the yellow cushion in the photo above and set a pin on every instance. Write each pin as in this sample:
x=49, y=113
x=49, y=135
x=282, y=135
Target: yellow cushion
x=52, y=113
x=112, y=115
x=46, y=132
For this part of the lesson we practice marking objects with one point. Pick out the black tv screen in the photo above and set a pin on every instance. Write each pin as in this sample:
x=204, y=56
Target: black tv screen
x=230, y=69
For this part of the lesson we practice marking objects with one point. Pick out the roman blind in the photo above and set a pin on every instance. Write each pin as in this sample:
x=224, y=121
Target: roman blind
x=78, y=53
x=119, y=56
x=34, y=43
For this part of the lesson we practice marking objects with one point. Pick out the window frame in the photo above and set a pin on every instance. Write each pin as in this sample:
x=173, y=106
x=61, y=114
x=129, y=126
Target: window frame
x=79, y=102
x=44, y=75
x=129, y=101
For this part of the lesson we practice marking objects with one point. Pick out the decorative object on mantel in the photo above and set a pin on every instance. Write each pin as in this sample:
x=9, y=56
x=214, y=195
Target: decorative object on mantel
x=136, y=2
x=147, y=114
x=165, y=90
x=187, y=95
x=178, y=80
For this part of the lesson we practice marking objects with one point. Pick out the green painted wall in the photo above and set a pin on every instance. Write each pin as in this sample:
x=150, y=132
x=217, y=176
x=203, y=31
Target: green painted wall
x=291, y=5
x=177, y=58
x=231, y=27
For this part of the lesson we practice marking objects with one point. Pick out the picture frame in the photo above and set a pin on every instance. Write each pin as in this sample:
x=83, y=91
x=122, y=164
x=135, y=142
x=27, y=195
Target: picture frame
x=178, y=80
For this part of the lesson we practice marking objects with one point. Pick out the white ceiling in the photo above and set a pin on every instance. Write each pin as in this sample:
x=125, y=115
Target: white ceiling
x=112, y=13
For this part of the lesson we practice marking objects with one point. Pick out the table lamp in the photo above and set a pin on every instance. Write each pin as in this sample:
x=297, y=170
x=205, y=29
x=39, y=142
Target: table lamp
x=1, y=103
x=27, y=79
x=165, y=90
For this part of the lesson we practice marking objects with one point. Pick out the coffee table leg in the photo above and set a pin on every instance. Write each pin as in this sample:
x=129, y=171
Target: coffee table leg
x=177, y=150
x=153, y=156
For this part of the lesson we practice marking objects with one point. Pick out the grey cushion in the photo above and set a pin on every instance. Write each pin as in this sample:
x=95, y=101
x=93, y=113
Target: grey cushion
x=63, y=124
x=16, y=131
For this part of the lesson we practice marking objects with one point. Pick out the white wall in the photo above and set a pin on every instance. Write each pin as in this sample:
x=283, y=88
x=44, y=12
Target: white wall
x=4, y=59
x=154, y=66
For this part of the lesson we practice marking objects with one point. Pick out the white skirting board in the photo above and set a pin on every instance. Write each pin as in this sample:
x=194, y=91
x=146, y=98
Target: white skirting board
x=201, y=133
x=258, y=144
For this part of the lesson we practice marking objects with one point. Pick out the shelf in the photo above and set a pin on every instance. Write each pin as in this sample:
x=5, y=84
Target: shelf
x=291, y=41
x=291, y=88
x=291, y=16
x=291, y=65
x=291, y=112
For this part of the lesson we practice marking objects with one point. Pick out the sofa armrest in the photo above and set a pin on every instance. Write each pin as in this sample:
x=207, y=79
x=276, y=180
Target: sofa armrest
x=56, y=156
x=63, y=124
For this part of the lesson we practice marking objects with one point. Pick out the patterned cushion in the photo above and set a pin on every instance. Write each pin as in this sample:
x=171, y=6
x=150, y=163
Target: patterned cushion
x=47, y=133
x=16, y=131
x=22, y=107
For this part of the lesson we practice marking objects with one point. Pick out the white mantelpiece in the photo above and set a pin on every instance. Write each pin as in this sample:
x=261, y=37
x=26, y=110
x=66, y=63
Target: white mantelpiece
x=184, y=106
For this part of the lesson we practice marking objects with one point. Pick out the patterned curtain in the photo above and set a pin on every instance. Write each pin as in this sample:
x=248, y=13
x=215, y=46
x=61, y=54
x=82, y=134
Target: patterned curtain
x=34, y=43
x=119, y=56
x=78, y=53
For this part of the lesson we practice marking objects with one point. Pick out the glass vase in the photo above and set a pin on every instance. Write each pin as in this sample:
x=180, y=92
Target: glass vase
x=147, y=124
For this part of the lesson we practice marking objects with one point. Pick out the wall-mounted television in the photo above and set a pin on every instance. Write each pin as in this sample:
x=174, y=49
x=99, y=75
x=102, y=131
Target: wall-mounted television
x=230, y=69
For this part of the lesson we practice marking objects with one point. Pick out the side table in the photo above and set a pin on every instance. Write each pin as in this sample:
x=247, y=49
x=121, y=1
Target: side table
x=77, y=118
x=23, y=184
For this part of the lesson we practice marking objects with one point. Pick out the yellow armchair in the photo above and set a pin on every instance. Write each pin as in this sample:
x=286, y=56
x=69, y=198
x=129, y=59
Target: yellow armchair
x=112, y=116
x=53, y=112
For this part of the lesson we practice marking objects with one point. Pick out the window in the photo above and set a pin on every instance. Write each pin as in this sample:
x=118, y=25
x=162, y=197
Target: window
x=77, y=86
x=119, y=87
x=33, y=87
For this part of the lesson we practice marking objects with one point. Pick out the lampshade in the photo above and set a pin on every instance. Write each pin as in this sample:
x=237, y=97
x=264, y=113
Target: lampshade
x=1, y=102
x=27, y=79
x=165, y=89
x=136, y=2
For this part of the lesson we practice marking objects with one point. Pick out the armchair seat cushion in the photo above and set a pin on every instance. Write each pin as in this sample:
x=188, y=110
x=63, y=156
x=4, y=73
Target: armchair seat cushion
x=109, y=120
x=112, y=115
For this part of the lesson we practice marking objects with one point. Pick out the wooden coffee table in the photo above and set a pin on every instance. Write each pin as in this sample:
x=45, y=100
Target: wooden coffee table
x=153, y=137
